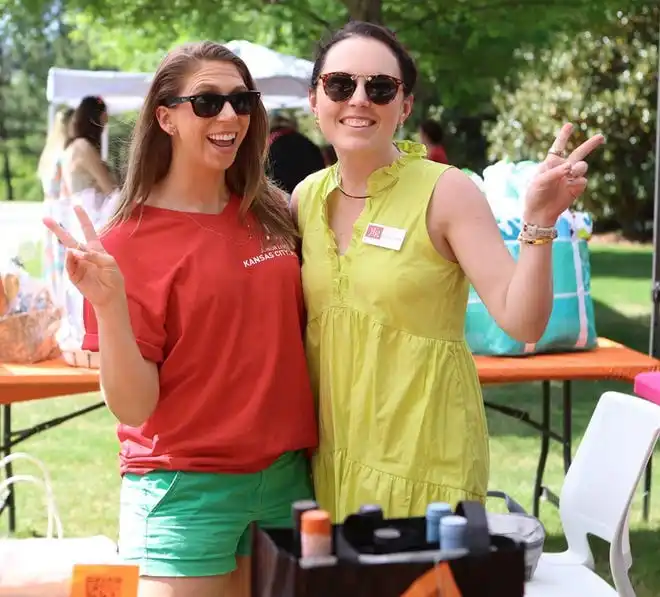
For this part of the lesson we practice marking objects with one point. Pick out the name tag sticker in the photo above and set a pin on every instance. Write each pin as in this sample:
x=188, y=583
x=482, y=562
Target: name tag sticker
x=387, y=237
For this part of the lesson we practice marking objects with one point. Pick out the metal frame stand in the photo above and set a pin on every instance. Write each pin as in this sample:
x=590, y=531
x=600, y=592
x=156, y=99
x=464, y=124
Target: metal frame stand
x=654, y=340
x=9, y=438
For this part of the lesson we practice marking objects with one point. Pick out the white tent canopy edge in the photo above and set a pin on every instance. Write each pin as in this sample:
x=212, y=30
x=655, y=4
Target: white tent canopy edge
x=282, y=79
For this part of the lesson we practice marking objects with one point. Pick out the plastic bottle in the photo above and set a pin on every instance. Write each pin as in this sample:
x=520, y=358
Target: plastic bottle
x=452, y=532
x=373, y=511
x=434, y=513
x=386, y=540
x=315, y=534
x=297, y=510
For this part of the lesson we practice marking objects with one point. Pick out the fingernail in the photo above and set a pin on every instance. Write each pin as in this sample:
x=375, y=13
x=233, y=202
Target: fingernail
x=77, y=253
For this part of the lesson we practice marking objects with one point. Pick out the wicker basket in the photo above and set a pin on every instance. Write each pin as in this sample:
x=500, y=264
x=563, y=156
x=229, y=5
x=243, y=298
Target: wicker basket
x=82, y=358
x=30, y=337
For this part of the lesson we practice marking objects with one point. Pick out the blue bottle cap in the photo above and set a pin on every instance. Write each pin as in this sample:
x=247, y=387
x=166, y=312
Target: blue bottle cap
x=437, y=509
x=367, y=508
x=453, y=521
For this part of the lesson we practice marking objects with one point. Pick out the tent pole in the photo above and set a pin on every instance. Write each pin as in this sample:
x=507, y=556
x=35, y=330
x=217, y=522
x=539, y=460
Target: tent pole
x=105, y=142
x=654, y=340
x=51, y=115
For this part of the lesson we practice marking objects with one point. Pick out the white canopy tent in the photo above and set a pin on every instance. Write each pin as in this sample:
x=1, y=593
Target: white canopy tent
x=279, y=77
x=282, y=79
x=122, y=92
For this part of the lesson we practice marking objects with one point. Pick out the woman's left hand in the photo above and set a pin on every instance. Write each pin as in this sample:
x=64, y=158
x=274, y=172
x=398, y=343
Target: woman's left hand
x=560, y=180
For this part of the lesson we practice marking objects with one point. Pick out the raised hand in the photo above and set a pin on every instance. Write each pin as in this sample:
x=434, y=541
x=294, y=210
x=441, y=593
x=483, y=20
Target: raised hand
x=93, y=271
x=560, y=180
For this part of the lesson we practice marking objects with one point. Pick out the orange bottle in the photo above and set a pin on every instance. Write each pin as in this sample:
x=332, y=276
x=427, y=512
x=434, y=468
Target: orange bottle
x=315, y=534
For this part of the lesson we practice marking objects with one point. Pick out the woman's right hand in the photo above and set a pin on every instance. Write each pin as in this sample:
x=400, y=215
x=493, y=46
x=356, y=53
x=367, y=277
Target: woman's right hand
x=93, y=271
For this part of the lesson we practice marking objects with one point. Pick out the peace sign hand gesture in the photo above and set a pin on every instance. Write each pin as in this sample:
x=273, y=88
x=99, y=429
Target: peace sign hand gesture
x=93, y=271
x=560, y=180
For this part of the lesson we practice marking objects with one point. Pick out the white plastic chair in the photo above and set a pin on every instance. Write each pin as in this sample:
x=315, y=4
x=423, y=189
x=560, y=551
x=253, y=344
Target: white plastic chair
x=596, y=497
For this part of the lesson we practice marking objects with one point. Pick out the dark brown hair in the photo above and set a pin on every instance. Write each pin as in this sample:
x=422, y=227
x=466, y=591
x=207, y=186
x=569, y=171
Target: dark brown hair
x=86, y=122
x=151, y=148
x=433, y=130
x=370, y=31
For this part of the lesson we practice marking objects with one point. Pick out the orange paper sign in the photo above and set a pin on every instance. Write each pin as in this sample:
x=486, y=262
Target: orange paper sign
x=437, y=582
x=105, y=581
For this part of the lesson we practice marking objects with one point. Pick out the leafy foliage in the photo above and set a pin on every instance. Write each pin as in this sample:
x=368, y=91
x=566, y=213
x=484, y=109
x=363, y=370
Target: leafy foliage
x=31, y=41
x=603, y=83
x=462, y=46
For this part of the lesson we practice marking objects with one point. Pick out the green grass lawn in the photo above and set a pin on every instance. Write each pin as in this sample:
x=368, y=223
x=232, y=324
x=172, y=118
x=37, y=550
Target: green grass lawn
x=81, y=454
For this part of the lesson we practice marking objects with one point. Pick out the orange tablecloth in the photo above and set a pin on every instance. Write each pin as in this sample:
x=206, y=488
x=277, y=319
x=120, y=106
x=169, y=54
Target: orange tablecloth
x=610, y=360
x=49, y=379
x=19, y=383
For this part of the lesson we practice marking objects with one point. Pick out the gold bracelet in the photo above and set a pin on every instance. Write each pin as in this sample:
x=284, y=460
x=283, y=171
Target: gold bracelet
x=535, y=241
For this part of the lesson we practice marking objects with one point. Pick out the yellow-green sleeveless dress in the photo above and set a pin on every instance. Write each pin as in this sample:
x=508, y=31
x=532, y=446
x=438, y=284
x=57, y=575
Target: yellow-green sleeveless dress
x=401, y=414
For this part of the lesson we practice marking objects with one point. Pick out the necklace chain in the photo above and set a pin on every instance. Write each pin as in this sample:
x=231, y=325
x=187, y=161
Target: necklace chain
x=343, y=192
x=266, y=237
x=212, y=231
x=250, y=236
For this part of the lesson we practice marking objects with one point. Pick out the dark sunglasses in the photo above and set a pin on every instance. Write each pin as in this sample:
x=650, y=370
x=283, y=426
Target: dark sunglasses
x=209, y=105
x=380, y=89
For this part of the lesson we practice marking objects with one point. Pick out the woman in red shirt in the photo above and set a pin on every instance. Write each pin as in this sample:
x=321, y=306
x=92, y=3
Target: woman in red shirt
x=432, y=135
x=194, y=302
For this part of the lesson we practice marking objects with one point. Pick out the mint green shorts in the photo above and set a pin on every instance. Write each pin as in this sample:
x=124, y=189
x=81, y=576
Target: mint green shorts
x=195, y=524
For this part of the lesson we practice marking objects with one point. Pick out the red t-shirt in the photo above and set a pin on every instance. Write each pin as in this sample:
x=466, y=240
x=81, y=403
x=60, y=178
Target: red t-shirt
x=223, y=319
x=437, y=153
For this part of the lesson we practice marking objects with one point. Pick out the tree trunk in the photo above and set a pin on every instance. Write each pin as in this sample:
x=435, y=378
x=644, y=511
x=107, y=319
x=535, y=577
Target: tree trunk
x=7, y=175
x=6, y=164
x=366, y=10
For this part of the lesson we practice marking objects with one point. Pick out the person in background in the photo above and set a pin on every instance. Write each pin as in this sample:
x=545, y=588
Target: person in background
x=193, y=300
x=49, y=171
x=88, y=182
x=83, y=168
x=56, y=140
x=329, y=155
x=432, y=136
x=388, y=254
x=291, y=155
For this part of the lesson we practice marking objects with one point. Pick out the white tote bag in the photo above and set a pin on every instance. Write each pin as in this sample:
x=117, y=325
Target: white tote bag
x=43, y=567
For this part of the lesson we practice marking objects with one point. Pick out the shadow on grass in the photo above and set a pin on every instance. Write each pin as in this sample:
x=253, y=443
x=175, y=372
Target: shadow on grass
x=613, y=263
x=630, y=331
x=633, y=331
x=645, y=572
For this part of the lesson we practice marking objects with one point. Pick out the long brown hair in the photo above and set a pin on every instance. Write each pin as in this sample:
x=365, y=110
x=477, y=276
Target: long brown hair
x=86, y=121
x=151, y=148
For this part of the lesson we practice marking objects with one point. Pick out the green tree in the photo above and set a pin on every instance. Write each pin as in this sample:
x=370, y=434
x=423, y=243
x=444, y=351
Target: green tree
x=462, y=46
x=603, y=82
x=30, y=43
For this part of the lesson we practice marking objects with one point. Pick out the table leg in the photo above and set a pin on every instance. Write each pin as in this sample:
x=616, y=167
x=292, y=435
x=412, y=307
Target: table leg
x=545, y=446
x=5, y=450
x=567, y=427
x=647, y=489
x=10, y=438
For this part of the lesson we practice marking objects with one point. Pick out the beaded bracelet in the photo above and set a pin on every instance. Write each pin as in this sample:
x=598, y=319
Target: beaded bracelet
x=531, y=234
